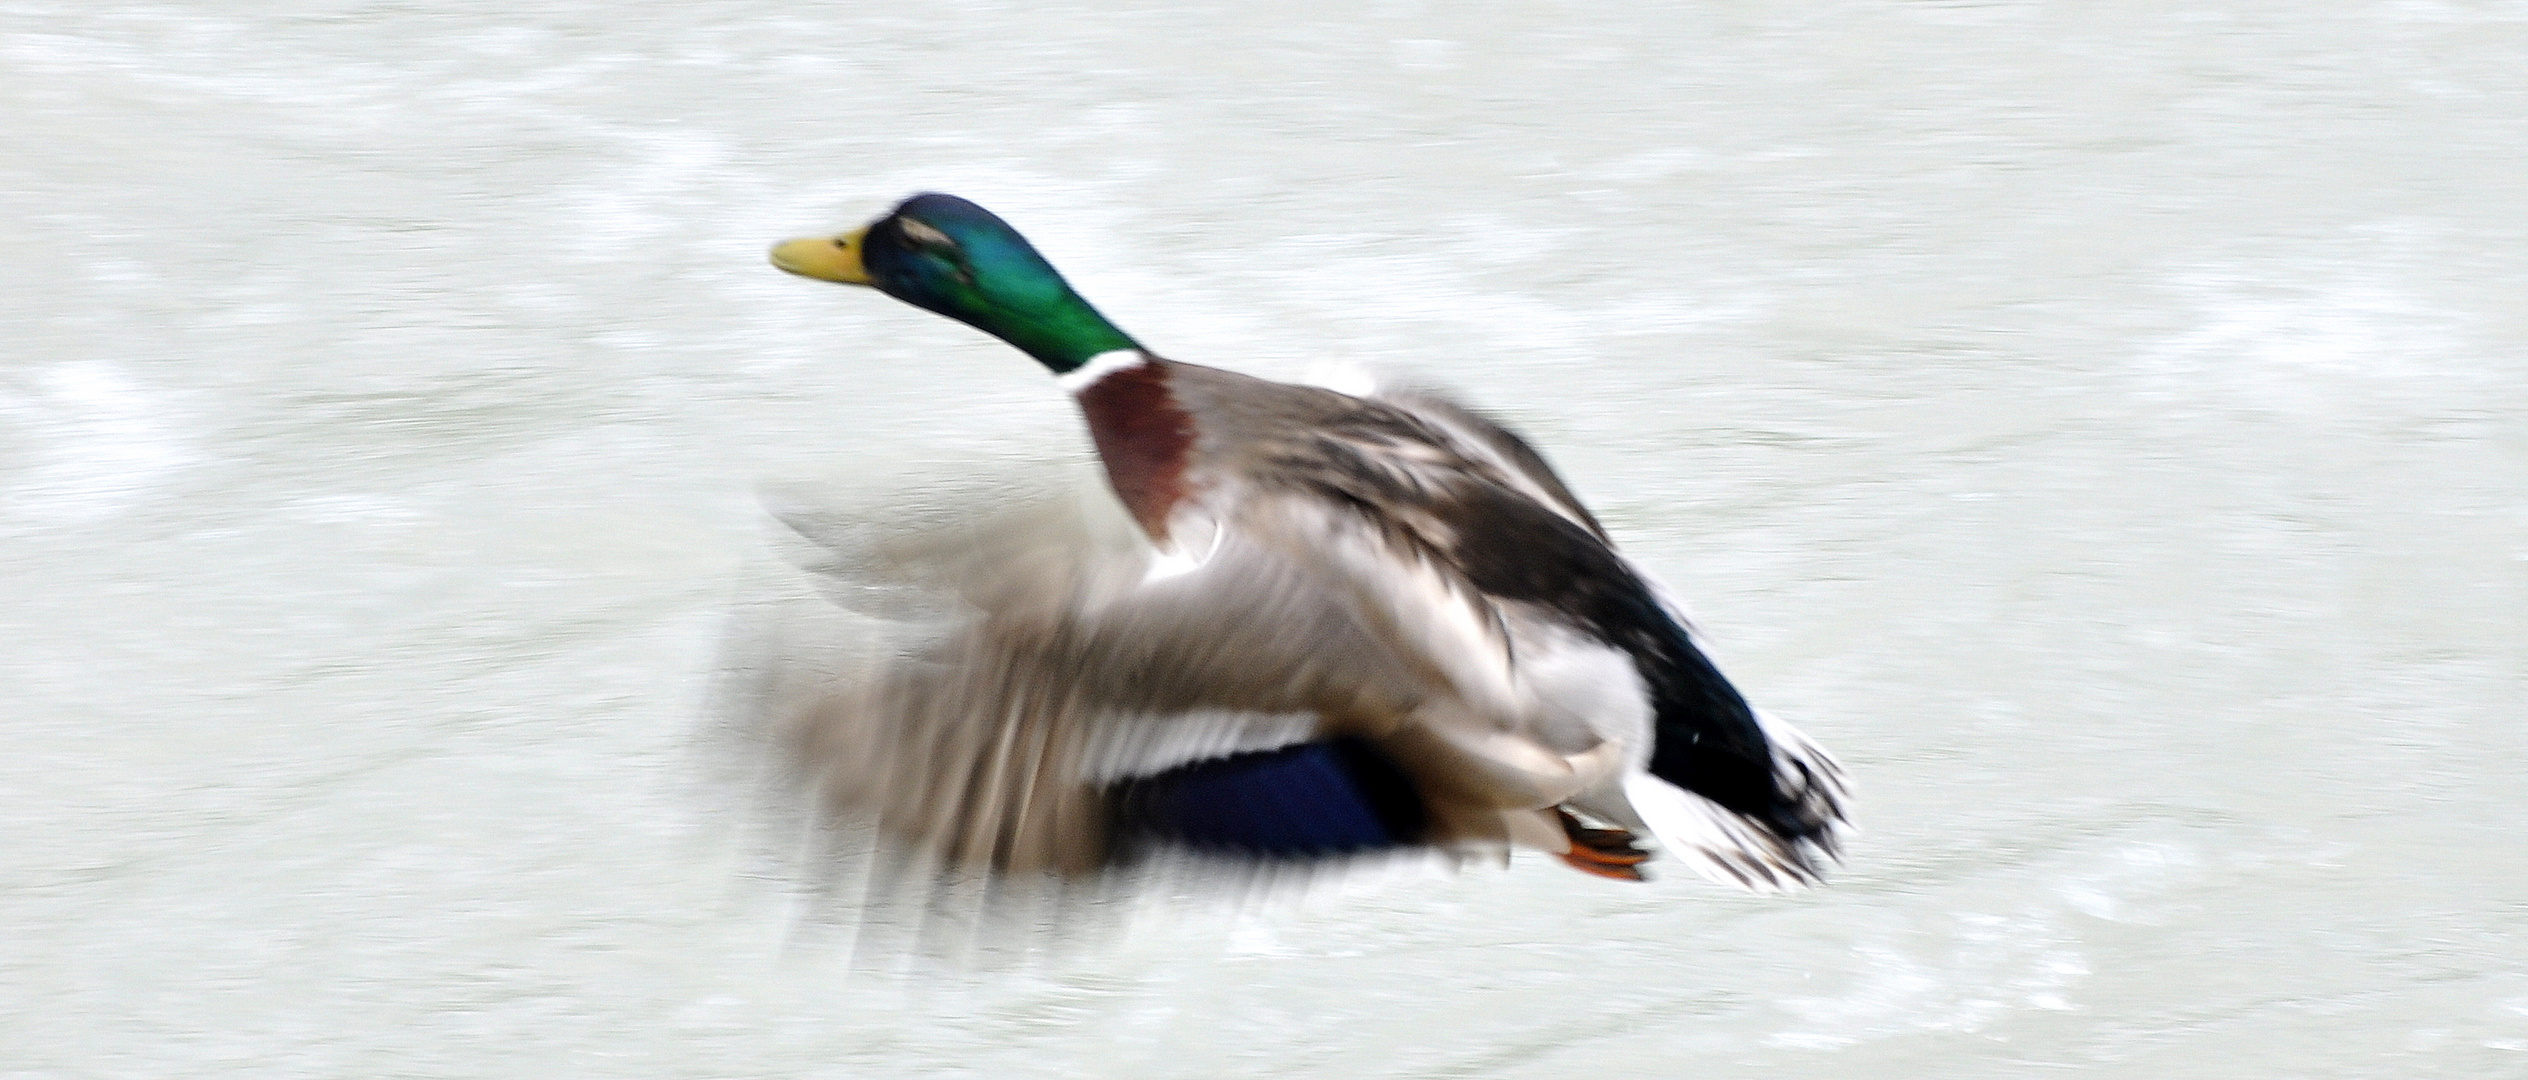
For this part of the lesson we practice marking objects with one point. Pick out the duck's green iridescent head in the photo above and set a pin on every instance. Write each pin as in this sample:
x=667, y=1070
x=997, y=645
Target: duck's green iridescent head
x=948, y=255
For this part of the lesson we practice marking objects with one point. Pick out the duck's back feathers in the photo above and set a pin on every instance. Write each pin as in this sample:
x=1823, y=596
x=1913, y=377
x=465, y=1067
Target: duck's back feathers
x=1482, y=438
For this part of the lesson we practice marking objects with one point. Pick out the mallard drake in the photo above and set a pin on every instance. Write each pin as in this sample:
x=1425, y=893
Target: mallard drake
x=1358, y=623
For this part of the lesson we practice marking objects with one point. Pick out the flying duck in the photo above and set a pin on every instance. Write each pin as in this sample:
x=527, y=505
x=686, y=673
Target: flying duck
x=1346, y=625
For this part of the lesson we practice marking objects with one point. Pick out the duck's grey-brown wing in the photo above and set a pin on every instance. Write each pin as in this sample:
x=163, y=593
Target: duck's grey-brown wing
x=1073, y=709
x=1505, y=450
x=955, y=768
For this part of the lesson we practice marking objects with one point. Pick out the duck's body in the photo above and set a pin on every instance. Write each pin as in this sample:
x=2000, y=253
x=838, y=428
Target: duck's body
x=1361, y=622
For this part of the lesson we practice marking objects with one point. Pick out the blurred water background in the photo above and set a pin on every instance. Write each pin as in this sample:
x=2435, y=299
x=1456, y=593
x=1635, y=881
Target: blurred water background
x=2100, y=423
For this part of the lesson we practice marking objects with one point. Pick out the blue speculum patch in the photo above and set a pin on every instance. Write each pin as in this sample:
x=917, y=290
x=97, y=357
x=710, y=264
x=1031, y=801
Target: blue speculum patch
x=1312, y=800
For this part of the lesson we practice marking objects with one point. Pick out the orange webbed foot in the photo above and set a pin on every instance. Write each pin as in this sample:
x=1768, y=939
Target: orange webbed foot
x=1606, y=853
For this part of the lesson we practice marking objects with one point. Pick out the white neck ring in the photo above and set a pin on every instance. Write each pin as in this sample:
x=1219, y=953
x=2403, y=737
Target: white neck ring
x=1099, y=366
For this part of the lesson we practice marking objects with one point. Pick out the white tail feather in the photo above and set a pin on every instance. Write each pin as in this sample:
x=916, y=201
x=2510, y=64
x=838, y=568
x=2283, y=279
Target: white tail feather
x=1733, y=850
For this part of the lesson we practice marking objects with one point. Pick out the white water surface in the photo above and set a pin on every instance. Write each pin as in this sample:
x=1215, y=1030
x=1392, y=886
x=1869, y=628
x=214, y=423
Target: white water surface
x=2100, y=423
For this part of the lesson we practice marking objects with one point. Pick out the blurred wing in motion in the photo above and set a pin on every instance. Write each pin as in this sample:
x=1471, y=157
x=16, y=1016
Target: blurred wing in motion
x=1026, y=704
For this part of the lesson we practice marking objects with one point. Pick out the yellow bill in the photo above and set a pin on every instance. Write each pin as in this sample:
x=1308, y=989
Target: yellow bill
x=825, y=258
